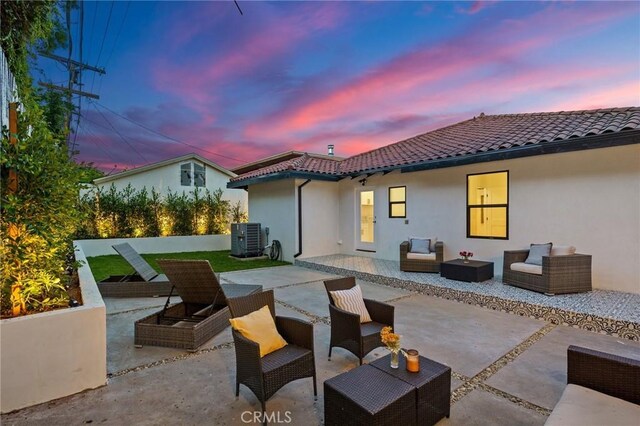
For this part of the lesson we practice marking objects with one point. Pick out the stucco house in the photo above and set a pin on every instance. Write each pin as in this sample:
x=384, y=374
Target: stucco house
x=487, y=184
x=179, y=174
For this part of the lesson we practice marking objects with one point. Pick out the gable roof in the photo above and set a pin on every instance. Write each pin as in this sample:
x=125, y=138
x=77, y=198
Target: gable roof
x=482, y=138
x=159, y=164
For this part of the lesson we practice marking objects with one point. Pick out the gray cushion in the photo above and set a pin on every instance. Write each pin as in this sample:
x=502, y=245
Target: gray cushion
x=536, y=251
x=420, y=245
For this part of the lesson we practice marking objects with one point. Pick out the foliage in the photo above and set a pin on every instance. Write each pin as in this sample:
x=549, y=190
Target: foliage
x=39, y=218
x=129, y=213
x=104, y=266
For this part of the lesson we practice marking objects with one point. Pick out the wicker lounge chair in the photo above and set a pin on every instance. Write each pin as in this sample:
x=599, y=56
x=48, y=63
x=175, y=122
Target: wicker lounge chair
x=346, y=330
x=421, y=265
x=264, y=376
x=144, y=282
x=560, y=274
x=601, y=389
x=202, y=314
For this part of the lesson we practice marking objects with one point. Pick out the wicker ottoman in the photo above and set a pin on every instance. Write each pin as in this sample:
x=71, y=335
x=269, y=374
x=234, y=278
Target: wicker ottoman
x=432, y=387
x=367, y=396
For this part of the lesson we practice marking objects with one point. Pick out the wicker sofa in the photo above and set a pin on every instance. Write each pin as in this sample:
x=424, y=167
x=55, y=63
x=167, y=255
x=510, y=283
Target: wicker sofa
x=560, y=274
x=601, y=389
x=421, y=265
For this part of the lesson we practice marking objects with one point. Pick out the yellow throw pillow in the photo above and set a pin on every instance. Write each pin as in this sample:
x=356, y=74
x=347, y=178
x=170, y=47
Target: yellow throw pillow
x=351, y=301
x=260, y=327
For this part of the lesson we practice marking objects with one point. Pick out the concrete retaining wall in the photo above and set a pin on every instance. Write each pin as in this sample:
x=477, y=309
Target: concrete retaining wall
x=54, y=354
x=159, y=244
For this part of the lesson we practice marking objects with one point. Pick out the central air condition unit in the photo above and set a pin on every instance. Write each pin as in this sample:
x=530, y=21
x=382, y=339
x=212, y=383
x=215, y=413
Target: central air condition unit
x=245, y=240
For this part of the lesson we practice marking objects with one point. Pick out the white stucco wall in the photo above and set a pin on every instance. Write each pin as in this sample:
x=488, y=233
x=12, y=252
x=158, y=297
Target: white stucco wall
x=167, y=178
x=589, y=199
x=53, y=354
x=273, y=205
x=177, y=244
x=320, y=218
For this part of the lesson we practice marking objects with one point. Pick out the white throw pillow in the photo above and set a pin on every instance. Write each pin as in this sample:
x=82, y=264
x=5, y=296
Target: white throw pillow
x=562, y=250
x=351, y=301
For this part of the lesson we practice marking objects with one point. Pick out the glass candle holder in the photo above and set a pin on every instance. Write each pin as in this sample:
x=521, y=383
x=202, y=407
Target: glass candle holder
x=413, y=361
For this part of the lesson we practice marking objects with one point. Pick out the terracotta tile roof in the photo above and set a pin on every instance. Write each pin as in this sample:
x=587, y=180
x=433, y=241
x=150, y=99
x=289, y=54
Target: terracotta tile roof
x=305, y=163
x=480, y=134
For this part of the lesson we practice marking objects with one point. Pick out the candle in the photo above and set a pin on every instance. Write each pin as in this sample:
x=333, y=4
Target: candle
x=413, y=361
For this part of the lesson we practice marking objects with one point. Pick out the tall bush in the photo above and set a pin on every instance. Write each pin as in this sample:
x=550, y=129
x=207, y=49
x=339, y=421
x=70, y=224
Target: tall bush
x=136, y=213
x=38, y=219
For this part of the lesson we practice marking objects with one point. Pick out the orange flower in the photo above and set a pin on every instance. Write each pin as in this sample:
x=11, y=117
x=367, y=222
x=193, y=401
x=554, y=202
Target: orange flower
x=390, y=339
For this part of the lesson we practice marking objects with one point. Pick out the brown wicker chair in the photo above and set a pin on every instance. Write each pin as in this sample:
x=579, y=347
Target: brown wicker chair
x=602, y=372
x=346, y=330
x=264, y=376
x=560, y=274
x=419, y=265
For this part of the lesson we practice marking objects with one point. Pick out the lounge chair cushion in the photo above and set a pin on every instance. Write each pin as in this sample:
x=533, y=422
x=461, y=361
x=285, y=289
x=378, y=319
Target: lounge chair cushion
x=536, y=252
x=260, y=327
x=421, y=256
x=351, y=301
x=583, y=406
x=562, y=250
x=527, y=267
x=420, y=245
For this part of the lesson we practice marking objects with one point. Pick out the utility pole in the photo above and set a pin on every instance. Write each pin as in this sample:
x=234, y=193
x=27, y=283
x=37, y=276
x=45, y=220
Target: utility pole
x=75, y=69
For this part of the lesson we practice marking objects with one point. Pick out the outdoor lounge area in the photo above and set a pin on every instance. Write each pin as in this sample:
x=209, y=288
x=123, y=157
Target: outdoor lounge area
x=506, y=369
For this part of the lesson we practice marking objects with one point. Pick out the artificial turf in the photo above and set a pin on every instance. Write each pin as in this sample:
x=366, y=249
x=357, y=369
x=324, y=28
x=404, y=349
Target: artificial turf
x=104, y=266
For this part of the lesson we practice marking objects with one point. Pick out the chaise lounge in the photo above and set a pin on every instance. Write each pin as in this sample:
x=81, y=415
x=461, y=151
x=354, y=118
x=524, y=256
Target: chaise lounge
x=145, y=282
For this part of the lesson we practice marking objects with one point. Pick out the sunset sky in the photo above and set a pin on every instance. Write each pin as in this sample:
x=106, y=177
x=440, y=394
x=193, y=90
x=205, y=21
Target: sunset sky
x=300, y=75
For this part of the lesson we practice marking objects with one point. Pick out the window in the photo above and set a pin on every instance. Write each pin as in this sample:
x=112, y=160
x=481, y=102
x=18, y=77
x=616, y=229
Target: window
x=488, y=205
x=398, y=201
x=192, y=174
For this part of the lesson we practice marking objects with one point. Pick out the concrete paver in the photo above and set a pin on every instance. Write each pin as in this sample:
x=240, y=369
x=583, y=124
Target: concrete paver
x=198, y=388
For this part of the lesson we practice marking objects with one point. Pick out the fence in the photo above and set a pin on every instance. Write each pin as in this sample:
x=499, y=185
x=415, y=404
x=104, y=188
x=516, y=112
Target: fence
x=8, y=90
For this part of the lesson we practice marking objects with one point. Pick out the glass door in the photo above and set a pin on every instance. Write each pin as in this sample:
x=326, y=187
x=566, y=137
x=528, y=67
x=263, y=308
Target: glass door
x=365, y=220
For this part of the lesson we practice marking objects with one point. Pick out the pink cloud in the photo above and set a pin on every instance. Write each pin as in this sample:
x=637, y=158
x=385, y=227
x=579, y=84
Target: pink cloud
x=474, y=8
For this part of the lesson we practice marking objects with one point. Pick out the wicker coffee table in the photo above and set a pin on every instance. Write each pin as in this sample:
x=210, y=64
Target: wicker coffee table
x=470, y=271
x=367, y=396
x=432, y=386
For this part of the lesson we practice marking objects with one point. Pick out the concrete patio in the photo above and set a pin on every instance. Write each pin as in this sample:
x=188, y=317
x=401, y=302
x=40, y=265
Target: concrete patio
x=507, y=369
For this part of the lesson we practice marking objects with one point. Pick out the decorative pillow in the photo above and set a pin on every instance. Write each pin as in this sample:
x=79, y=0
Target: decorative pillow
x=562, y=250
x=260, y=327
x=351, y=301
x=420, y=245
x=432, y=246
x=536, y=252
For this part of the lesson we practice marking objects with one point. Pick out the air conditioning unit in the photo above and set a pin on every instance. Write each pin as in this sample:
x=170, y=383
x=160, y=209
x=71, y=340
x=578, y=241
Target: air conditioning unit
x=246, y=240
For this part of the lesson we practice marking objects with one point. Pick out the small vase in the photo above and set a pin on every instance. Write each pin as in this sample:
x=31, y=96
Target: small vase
x=394, y=359
x=465, y=260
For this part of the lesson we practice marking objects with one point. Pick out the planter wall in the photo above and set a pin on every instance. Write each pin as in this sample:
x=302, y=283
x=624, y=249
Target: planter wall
x=54, y=354
x=101, y=247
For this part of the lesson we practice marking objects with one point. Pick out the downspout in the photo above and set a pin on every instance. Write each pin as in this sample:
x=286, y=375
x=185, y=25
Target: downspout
x=300, y=218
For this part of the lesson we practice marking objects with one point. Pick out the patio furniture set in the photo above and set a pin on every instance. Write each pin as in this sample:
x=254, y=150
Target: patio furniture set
x=543, y=268
x=273, y=350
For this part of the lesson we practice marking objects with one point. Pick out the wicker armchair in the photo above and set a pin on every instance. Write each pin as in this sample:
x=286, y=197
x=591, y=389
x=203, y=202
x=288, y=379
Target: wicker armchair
x=346, y=330
x=560, y=274
x=420, y=265
x=264, y=376
x=608, y=374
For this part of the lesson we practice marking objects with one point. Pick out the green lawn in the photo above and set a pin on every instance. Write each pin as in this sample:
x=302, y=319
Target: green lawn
x=103, y=266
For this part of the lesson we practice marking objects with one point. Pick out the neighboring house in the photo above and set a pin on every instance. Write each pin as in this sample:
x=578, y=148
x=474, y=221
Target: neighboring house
x=488, y=184
x=180, y=174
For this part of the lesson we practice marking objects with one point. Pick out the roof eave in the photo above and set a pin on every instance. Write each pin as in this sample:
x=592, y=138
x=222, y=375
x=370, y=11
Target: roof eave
x=244, y=183
x=627, y=137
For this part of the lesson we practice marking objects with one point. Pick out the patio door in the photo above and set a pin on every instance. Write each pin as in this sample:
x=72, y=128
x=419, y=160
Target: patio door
x=365, y=220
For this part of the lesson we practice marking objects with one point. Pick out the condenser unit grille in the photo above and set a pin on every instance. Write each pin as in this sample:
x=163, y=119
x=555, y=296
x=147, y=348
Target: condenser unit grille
x=245, y=239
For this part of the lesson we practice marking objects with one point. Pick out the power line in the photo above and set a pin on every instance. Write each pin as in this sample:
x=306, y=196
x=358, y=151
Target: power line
x=119, y=134
x=115, y=43
x=104, y=36
x=165, y=136
x=100, y=147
